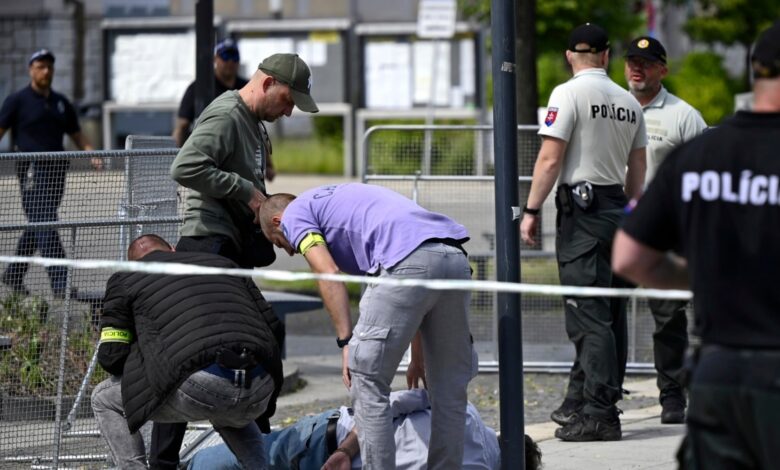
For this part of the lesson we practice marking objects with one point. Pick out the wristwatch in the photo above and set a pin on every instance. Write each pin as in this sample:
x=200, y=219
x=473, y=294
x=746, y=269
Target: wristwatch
x=343, y=342
x=529, y=211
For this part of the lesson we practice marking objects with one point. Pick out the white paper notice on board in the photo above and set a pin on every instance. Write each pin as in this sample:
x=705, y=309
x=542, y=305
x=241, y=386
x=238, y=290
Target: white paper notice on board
x=468, y=66
x=388, y=75
x=254, y=50
x=152, y=68
x=424, y=53
x=314, y=53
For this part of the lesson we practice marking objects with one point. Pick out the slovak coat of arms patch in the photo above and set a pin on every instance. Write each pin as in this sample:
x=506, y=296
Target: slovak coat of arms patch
x=552, y=113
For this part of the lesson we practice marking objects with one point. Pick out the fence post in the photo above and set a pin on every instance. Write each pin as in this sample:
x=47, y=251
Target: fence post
x=632, y=354
x=63, y=351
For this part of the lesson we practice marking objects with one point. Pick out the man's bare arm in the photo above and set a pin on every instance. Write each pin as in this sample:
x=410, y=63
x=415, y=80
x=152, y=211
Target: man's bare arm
x=546, y=170
x=341, y=459
x=82, y=143
x=336, y=300
x=635, y=175
x=180, y=130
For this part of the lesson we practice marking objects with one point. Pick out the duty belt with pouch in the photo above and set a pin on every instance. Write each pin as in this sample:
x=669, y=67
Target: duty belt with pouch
x=580, y=194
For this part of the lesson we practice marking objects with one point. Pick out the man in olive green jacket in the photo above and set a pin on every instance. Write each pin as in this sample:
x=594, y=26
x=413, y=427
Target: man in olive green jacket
x=223, y=164
x=223, y=161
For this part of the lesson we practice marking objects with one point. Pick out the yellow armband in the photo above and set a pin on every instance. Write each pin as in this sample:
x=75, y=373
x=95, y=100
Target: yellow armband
x=115, y=335
x=310, y=240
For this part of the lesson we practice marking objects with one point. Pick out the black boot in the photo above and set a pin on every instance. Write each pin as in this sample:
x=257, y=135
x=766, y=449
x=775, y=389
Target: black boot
x=591, y=428
x=569, y=412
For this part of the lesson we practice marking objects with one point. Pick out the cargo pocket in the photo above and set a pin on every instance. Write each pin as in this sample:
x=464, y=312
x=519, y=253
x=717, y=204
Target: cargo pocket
x=578, y=263
x=367, y=349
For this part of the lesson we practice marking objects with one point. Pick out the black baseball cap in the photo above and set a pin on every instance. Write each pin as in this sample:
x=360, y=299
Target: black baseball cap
x=41, y=54
x=647, y=48
x=227, y=49
x=592, y=35
x=293, y=71
x=766, y=53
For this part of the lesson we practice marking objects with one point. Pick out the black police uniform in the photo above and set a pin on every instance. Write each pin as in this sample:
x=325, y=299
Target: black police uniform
x=38, y=124
x=187, y=105
x=716, y=200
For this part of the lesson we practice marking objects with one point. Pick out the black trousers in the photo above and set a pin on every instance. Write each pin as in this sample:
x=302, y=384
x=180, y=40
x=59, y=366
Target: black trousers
x=670, y=341
x=167, y=437
x=595, y=325
x=734, y=411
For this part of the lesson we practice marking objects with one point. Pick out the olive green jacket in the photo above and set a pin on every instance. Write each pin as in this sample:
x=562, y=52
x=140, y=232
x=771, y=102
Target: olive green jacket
x=221, y=163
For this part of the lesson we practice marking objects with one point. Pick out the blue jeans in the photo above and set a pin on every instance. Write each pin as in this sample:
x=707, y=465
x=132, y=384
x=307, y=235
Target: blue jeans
x=41, y=197
x=230, y=409
x=304, y=444
x=389, y=318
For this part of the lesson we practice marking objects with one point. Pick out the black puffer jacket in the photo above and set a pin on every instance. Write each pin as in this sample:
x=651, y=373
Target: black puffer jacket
x=178, y=324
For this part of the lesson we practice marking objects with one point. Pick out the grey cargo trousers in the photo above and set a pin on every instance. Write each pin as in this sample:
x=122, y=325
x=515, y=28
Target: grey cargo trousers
x=389, y=318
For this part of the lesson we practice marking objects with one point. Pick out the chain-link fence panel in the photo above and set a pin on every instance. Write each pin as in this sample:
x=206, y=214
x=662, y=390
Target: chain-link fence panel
x=448, y=169
x=62, y=206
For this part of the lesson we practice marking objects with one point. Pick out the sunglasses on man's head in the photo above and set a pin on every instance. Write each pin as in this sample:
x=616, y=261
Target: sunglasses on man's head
x=229, y=55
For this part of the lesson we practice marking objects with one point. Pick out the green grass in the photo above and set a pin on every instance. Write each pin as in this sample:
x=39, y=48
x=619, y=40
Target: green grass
x=540, y=271
x=309, y=155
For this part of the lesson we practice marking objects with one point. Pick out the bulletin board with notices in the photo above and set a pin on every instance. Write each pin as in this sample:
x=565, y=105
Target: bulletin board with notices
x=323, y=51
x=399, y=73
x=149, y=66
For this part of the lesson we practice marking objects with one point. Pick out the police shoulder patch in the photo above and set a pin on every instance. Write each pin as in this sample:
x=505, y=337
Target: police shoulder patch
x=552, y=113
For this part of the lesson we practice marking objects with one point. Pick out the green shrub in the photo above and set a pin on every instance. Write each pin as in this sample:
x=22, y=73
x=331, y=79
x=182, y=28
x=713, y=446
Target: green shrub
x=551, y=71
x=321, y=153
x=401, y=152
x=701, y=80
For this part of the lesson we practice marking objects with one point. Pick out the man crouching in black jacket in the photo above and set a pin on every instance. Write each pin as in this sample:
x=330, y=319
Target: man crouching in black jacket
x=186, y=348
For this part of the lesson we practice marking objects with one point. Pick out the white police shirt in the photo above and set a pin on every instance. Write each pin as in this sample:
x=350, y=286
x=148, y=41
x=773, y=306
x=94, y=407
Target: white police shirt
x=412, y=422
x=602, y=124
x=670, y=121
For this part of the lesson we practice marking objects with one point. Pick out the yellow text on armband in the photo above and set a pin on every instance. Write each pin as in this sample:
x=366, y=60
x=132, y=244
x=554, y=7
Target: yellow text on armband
x=115, y=335
x=310, y=240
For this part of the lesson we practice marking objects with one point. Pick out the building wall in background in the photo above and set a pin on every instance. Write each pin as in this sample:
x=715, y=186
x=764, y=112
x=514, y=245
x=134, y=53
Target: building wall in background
x=34, y=24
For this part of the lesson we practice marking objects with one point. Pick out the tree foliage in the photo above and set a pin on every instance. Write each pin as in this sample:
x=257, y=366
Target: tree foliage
x=556, y=18
x=730, y=22
x=713, y=97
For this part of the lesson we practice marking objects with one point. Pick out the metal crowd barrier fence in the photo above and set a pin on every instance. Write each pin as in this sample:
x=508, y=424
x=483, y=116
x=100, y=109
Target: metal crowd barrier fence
x=56, y=205
x=449, y=169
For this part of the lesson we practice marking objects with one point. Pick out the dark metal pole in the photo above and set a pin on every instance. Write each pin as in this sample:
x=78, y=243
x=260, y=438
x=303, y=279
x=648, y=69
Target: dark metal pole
x=510, y=346
x=353, y=85
x=204, y=54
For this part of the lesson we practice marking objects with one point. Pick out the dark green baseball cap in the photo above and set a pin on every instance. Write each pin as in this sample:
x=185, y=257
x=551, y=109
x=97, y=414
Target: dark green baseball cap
x=293, y=71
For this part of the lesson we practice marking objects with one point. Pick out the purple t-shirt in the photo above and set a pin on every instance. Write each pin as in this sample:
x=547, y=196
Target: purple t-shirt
x=366, y=227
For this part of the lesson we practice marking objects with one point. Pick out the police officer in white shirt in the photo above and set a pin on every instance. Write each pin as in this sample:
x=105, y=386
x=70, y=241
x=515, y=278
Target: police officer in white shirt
x=593, y=131
x=670, y=121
